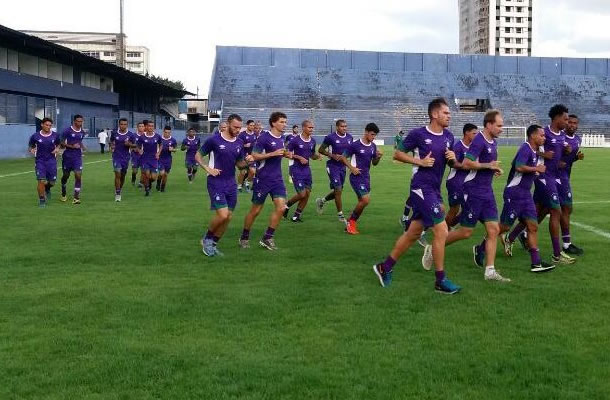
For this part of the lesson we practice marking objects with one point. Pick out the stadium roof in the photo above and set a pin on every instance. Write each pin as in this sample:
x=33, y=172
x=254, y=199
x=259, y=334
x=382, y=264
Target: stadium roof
x=36, y=46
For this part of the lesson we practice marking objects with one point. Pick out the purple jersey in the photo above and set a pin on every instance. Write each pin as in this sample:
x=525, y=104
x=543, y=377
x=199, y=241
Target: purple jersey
x=361, y=155
x=305, y=149
x=121, y=147
x=248, y=139
x=553, y=142
x=519, y=183
x=149, y=145
x=455, y=179
x=484, y=151
x=288, y=138
x=192, y=145
x=269, y=170
x=337, y=144
x=166, y=143
x=569, y=158
x=72, y=137
x=223, y=155
x=421, y=142
x=135, y=156
x=44, y=144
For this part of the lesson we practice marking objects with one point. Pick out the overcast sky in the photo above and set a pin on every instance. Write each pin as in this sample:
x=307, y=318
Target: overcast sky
x=182, y=34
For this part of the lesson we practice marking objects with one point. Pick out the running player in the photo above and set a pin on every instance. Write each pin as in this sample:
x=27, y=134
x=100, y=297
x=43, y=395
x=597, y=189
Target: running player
x=565, y=188
x=434, y=143
x=149, y=146
x=268, y=153
x=191, y=144
x=455, y=179
x=72, y=158
x=546, y=195
x=246, y=175
x=481, y=160
x=168, y=146
x=121, y=142
x=287, y=138
x=135, y=155
x=225, y=152
x=398, y=138
x=361, y=154
x=518, y=201
x=333, y=147
x=302, y=148
x=44, y=145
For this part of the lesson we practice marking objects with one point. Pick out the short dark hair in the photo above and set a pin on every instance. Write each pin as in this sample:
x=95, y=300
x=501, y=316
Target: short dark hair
x=573, y=116
x=167, y=128
x=275, y=116
x=234, y=116
x=435, y=104
x=46, y=119
x=339, y=122
x=371, y=127
x=191, y=129
x=305, y=122
x=76, y=116
x=468, y=128
x=532, y=129
x=122, y=119
x=250, y=121
x=557, y=110
x=142, y=123
x=490, y=117
x=294, y=126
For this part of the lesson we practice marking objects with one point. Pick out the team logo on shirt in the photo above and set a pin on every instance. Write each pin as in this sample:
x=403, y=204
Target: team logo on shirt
x=489, y=149
x=272, y=143
x=428, y=141
x=512, y=216
x=361, y=151
x=221, y=147
x=553, y=140
x=338, y=141
x=300, y=146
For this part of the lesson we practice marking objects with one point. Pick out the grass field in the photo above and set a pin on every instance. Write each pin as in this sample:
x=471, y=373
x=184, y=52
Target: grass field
x=116, y=301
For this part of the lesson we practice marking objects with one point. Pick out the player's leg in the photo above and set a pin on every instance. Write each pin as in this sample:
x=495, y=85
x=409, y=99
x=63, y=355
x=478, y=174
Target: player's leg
x=334, y=179
x=537, y=265
x=193, y=172
x=255, y=210
x=145, y=179
x=64, y=182
x=363, y=201
x=160, y=178
x=240, y=179
x=279, y=203
x=565, y=200
x=492, y=229
x=301, y=206
x=250, y=179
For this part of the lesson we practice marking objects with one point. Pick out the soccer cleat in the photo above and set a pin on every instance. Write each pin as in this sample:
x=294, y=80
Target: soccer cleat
x=563, y=259
x=285, y=214
x=147, y=193
x=508, y=245
x=478, y=256
x=574, y=250
x=76, y=201
x=42, y=204
x=423, y=242
x=218, y=252
x=207, y=247
x=319, y=205
x=117, y=198
x=342, y=219
x=351, y=227
x=427, y=260
x=542, y=267
x=447, y=287
x=269, y=244
x=244, y=243
x=296, y=219
x=523, y=240
x=492, y=275
x=385, y=278
x=63, y=199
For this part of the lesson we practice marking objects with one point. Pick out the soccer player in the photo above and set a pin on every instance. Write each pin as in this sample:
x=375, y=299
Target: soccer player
x=72, y=158
x=135, y=155
x=303, y=148
x=225, y=152
x=455, y=179
x=246, y=175
x=44, y=145
x=121, y=142
x=565, y=188
x=191, y=144
x=287, y=138
x=149, y=146
x=518, y=201
x=361, y=154
x=546, y=195
x=258, y=128
x=221, y=128
x=434, y=143
x=168, y=146
x=333, y=147
x=398, y=138
x=481, y=160
x=268, y=153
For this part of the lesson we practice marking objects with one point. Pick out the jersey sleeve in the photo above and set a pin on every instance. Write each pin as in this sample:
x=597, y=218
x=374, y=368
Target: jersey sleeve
x=523, y=156
x=410, y=142
x=184, y=141
x=259, y=145
x=56, y=141
x=475, y=149
x=327, y=141
x=207, y=146
x=32, y=141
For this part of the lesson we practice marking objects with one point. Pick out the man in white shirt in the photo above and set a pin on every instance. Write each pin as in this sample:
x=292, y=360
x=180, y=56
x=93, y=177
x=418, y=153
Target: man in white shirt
x=102, y=136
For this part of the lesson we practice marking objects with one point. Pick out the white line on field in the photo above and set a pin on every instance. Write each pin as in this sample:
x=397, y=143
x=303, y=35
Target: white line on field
x=592, y=229
x=592, y=202
x=29, y=172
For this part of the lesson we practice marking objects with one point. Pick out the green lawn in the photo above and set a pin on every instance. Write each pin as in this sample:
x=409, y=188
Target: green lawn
x=113, y=300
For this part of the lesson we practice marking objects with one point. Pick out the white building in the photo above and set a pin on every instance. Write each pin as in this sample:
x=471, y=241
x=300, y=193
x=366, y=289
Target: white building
x=103, y=46
x=496, y=27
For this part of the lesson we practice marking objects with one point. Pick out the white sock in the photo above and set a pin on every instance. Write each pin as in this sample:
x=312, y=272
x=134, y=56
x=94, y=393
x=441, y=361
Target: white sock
x=566, y=245
x=489, y=269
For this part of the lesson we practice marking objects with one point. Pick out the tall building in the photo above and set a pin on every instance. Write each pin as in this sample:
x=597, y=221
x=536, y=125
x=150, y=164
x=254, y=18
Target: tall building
x=103, y=46
x=496, y=27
